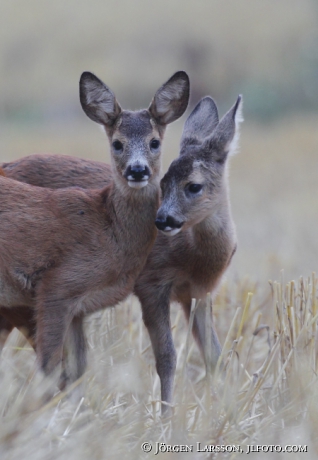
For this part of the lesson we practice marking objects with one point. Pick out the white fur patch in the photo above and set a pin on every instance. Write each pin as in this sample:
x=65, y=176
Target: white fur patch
x=171, y=231
x=136, y=184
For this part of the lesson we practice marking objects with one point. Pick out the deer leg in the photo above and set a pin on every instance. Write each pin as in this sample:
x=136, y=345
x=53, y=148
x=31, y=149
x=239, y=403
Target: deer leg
x=74, y=360
x=53, y=321
x=199, y=332
x=156, y=316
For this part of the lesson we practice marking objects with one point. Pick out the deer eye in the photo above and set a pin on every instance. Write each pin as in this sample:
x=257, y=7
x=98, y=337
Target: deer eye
x=194, y=188
x=154, y=144
x=118, y=146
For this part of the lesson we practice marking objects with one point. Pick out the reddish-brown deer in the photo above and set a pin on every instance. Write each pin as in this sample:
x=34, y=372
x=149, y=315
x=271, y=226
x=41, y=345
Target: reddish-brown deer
x=195, y=206
x=68, y=252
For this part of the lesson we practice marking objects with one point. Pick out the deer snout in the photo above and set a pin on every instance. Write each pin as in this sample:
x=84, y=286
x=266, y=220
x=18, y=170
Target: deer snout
x=137, y=176
x=168, y=225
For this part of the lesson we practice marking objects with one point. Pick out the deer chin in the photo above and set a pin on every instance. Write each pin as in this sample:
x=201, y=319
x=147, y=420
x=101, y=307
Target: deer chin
x=171, y=231
x=137, y=184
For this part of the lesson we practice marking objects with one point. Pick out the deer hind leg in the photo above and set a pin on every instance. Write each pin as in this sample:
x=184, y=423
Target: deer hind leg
x=74, y=360
x=156, y=316
x=210, y=356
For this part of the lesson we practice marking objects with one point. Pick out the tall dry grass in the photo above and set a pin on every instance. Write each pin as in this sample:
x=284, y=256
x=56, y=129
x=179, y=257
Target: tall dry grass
x=264, y=394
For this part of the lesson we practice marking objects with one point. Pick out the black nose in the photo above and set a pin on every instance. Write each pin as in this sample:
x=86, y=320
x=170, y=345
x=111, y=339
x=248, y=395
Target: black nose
x=137, y=173
x=161, y=224
x=169, y=221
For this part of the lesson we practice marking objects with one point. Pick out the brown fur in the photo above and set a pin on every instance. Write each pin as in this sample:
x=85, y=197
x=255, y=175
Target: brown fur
x=58, y=171
x=68, y=252
x=191, y=263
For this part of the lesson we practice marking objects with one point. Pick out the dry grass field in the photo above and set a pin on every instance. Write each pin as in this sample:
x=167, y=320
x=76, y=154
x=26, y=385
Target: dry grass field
x=266, y=310
x=266, y=395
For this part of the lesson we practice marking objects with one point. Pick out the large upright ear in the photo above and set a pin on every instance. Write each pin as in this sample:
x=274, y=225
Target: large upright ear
x=201, y=122
x=97, y=100
x=225, y=137
x=171, y=100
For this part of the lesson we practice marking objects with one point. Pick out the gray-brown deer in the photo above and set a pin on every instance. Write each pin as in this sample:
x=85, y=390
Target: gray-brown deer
x=197, y=238
x=195, y=206
x=68, y=252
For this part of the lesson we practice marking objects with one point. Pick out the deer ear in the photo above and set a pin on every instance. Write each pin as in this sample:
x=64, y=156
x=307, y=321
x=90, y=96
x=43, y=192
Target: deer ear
x=171, y=100
x=202, y=121
x=224, y=139
x=97, y=100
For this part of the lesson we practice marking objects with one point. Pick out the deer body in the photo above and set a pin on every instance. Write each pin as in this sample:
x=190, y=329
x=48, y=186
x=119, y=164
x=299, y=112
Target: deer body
x=197, y=259
x=80, y=234
x=68, y=252
x=192, y=262
x=72, y=253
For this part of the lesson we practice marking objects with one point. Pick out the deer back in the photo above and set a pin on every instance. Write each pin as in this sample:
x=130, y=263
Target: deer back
x=58, y=171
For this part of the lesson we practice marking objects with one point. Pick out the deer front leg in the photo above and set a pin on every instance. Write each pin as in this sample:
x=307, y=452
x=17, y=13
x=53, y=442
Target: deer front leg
x=199, y=332
x=156, y=316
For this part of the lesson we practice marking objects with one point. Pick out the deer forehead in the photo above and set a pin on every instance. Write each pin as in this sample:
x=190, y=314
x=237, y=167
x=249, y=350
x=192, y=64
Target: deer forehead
x=178, y=171
x=196, y=176
x=183, y=170
x=135, y=125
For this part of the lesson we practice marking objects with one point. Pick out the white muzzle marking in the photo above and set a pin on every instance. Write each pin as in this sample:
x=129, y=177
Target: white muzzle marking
x=171, y=231
x=137, y=184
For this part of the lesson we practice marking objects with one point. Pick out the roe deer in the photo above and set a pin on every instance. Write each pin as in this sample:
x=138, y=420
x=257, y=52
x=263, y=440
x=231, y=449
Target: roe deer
x=197, y=238
x=195, y=205
x=68, y=252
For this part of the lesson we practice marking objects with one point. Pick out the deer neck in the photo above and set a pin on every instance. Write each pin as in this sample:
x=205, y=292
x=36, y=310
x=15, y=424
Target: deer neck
x=122, y=191
x=133, y=213
x=217, y=224
x=211, y=245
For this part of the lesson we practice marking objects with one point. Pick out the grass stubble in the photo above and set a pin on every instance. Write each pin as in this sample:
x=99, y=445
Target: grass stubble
x=265, y=392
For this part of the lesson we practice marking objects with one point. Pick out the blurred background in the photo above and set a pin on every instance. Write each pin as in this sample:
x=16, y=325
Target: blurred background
x=268, y=51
